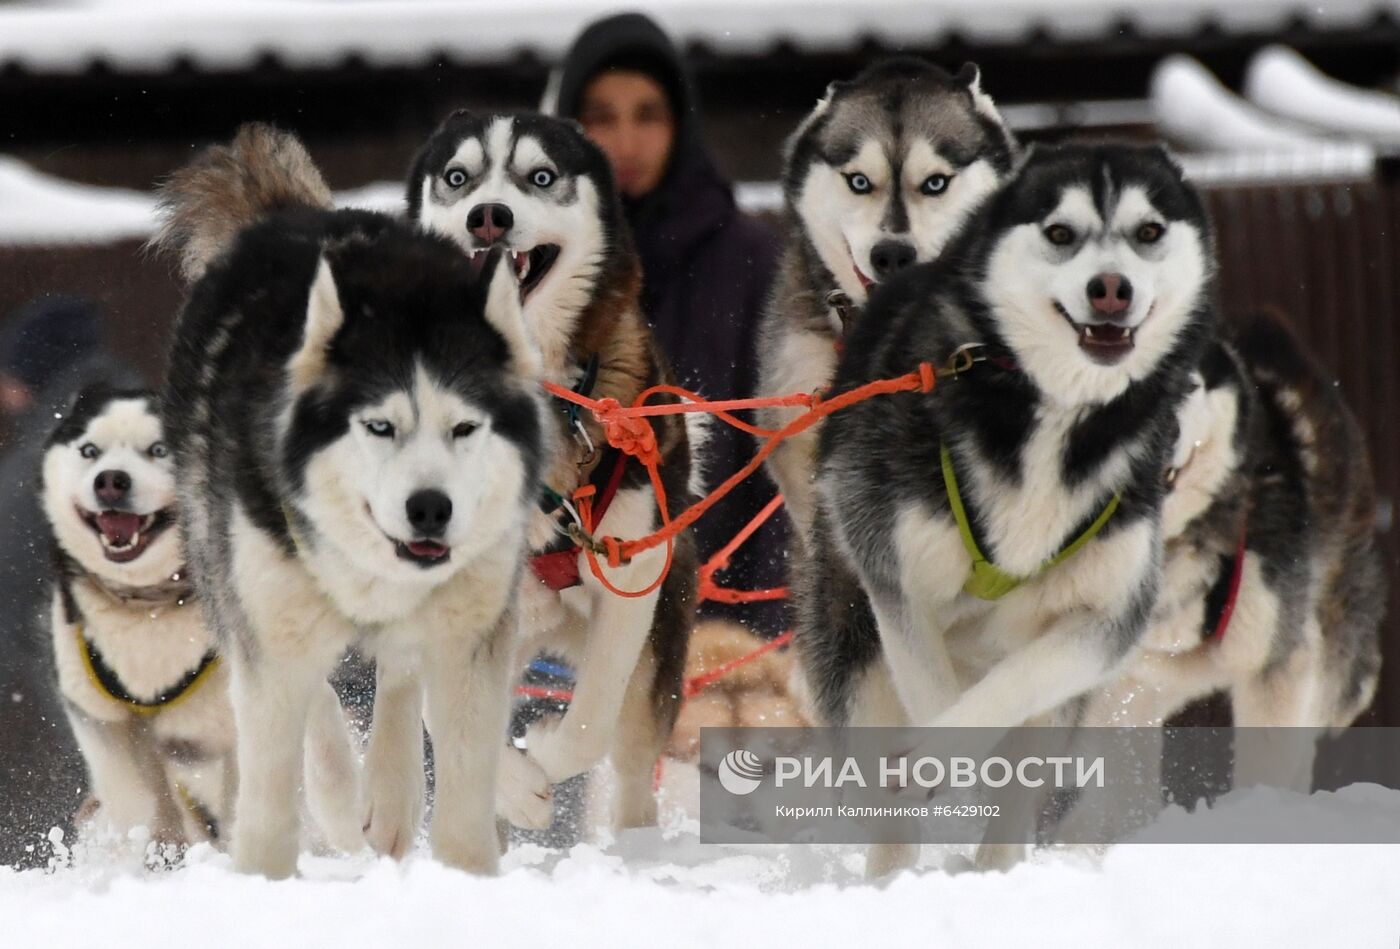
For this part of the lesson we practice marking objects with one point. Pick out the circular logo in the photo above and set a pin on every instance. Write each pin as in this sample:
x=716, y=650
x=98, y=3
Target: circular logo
x=740, y=772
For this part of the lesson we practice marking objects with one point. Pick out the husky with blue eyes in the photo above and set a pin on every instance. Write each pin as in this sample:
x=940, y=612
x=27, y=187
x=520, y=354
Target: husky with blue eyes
x=1006, y=526
x=143, y=684
x=535, y=189
x=355, y=415
x=879, y=177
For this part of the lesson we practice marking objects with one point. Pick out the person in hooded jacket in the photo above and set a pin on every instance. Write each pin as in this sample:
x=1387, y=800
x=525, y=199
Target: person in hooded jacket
x=707, y=268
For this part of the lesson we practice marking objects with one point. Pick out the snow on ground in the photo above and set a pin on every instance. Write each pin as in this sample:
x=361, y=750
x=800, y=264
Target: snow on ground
x=662, y=887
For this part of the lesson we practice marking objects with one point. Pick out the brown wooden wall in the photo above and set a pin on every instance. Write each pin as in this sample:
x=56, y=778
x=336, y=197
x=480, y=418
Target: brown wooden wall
x=1326, y=254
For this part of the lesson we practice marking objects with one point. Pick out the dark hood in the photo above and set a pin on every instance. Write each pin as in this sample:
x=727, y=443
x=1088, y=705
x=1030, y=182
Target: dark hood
x=693, y=199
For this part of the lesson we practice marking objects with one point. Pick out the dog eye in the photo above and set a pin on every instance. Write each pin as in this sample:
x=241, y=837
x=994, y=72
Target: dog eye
x=89, y=451
x=380, y=428
x=158, y=450
x=463, y=429
x=1059, y=234
x=542, y=177
x=1150, y=233
x=455, y=177
x=859, y=183
x=935, y=184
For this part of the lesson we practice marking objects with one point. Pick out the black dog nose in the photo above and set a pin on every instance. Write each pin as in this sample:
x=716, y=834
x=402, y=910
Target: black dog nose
x=489, y=222
x=1110, y=294
x=888, y=256
x=111, y=486
x=429, y=511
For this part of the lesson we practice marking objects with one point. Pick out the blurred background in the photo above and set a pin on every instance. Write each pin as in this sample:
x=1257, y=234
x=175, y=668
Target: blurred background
x=1285, y=113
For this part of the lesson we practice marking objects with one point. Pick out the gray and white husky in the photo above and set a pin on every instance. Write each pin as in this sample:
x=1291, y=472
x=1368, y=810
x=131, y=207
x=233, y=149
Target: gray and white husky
x=537, y=188
x=1006, y=526
x=356, y=424
x=881, y=174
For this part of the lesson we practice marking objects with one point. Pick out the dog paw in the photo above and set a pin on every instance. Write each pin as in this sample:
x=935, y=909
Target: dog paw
x=523, y=796
x=562, y=751
x=479, y=855
x=392, y=816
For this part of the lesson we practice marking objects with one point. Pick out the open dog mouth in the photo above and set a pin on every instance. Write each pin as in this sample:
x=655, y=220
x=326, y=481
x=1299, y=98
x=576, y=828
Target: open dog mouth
x=865, y=282
x=531, y=266
x=125, y=535
x=423, y=553
x=1105, y=343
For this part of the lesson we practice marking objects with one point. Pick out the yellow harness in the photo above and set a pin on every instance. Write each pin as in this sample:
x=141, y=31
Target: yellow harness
x=988, y=581
x=106, y=680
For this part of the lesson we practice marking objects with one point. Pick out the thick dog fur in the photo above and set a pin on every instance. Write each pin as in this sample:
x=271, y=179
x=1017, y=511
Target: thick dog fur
x=169, y=770
x=1040, y=443
x=899, y=125
x=558, y=191
x=1268, y=451
x=356, y=423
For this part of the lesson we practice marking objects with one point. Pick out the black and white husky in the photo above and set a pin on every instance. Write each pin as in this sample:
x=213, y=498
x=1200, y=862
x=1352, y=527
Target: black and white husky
x=1006, y=526
x=355, y=420
x=1272, y=589
x=142, y=685
x=537, y=188
x=880, y=176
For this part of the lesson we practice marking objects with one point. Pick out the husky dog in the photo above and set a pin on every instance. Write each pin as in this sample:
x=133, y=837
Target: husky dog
x=879, y=177
x=355, y=420
x=144, y=690
x=535, y=187
x=1272, y=589
x=1006, y=526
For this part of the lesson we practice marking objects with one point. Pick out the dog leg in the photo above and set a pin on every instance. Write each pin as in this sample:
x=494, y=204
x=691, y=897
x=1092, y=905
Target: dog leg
x=1011, y=830
x=272, y=697
x=639, y=743
x=523, y=794
x=127, y=795
x=1131, y=796
x=1072, y=656
x=394, y=779
x=876, y=704
x=1280, y=712
x=616, y=633
x=793, y=465
x=467, y=685
x=332, y=774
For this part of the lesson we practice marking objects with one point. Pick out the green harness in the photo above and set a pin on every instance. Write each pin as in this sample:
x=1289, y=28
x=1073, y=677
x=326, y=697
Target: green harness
x=988, y=581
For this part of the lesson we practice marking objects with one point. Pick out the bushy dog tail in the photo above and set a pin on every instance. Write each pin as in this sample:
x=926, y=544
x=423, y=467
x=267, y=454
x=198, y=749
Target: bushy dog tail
x=204, y=205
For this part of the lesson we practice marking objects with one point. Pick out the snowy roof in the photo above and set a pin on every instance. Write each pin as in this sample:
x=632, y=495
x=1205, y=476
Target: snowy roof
x=40, y=210
x=228, y=34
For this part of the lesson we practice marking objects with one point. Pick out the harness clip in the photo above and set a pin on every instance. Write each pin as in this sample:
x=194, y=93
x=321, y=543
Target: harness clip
x=964, y=358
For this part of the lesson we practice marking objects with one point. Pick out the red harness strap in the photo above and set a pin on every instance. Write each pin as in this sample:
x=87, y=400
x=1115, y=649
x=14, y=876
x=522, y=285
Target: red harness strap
x=1228, y=609
x=558, y=570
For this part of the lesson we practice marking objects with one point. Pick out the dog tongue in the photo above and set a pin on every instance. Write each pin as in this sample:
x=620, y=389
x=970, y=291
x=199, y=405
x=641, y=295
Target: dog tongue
x=427, y=548
x=119, y=526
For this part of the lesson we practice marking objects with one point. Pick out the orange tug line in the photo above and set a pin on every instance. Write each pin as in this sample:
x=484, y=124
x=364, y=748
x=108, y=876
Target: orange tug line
x=628, y=431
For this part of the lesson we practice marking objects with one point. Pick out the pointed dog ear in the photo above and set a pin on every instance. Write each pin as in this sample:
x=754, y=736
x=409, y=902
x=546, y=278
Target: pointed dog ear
x=505, y=312
x=324, y=318
x=970, y=78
